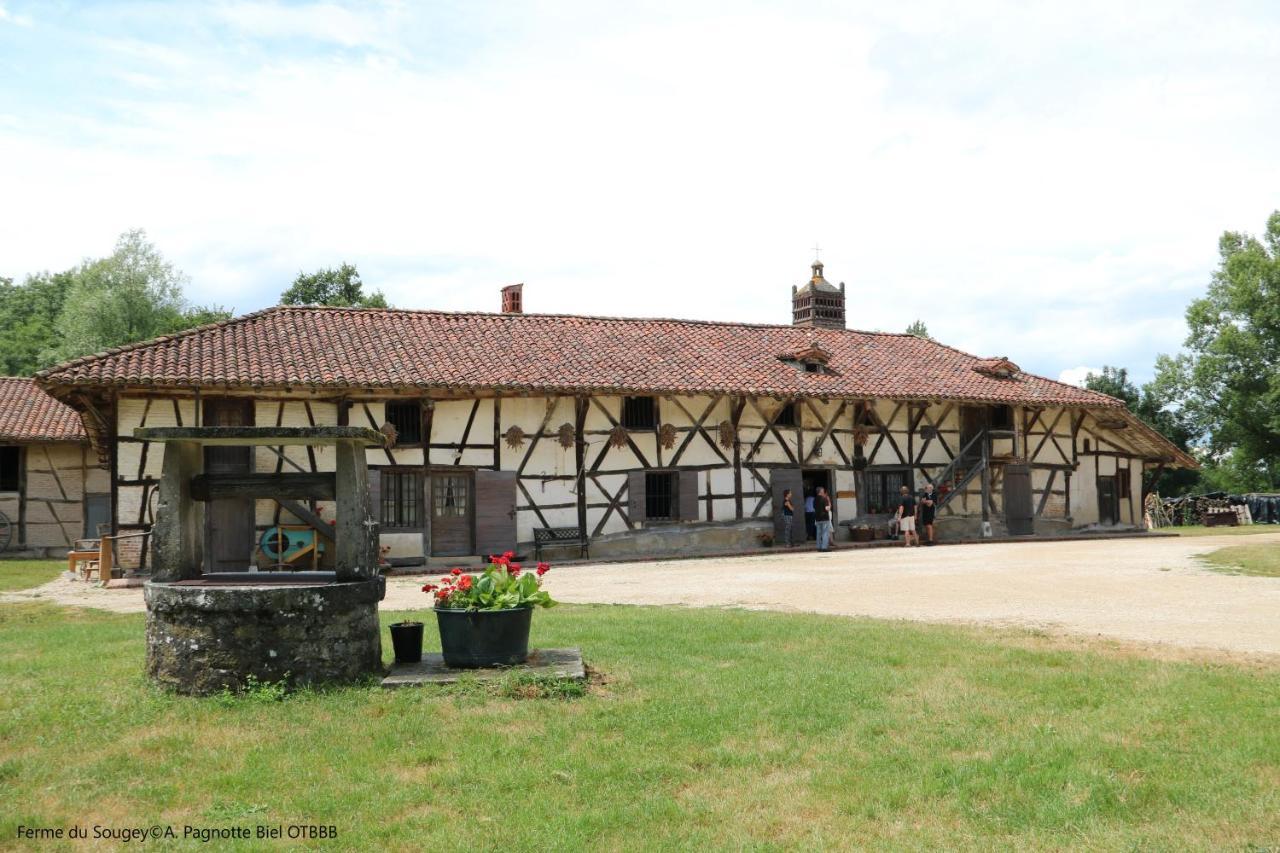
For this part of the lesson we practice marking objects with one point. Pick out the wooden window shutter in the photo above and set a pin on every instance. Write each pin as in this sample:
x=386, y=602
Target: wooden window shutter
x=495, y=511
x=635, y=496
x=779, y=481
x=687, y=495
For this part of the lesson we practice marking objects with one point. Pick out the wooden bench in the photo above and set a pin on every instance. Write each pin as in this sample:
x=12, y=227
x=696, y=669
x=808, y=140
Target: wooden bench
x=559, y=536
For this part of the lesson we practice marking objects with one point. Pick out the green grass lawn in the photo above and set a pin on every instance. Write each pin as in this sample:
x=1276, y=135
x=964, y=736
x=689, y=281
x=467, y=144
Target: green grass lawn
x=1201, y=530
x=718, y=729
x=24, y=574
x=1260, y=560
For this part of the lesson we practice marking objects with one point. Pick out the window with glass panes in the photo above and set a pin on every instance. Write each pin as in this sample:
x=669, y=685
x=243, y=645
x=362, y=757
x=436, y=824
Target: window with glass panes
x=401, y=500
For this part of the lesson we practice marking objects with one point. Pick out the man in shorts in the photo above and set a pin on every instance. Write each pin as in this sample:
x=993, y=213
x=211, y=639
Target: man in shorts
x=928, y=503
x=906, y=516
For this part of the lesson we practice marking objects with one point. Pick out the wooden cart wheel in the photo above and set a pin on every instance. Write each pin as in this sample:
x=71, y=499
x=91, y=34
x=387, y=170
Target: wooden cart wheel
x=6, y=531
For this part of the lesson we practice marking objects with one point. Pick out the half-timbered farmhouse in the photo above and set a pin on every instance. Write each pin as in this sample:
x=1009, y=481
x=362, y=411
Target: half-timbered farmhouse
x=52, y=488
x=647, y=436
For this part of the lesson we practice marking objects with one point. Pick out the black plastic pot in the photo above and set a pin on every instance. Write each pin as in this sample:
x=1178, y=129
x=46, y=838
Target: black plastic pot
x=406, y=639
x=476, y=638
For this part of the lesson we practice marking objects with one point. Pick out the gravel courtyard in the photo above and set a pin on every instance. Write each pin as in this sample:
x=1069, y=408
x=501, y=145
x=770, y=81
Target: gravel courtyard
x=1144, y=591
x=1151, y=591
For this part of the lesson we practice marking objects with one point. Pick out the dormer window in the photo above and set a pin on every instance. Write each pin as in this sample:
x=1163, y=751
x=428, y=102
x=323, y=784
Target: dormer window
x=997, y=368
x=811, y=359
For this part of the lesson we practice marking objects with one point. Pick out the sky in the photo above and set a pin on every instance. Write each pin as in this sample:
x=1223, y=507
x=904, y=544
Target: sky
x=1042, y=181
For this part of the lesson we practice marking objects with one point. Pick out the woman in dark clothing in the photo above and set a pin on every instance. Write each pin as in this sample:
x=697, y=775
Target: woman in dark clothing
x=788, y=514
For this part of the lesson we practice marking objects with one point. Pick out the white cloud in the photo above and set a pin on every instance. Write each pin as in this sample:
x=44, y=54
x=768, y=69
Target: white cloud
x=7, y=17
x=1077, y=375
x=1051, y=191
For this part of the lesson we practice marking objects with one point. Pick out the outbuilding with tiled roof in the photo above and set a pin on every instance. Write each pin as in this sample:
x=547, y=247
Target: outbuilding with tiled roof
x=52, y=489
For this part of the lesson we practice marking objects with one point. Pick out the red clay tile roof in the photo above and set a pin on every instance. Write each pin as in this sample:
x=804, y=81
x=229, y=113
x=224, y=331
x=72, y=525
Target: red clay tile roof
x=27, y=413
x=310, y=347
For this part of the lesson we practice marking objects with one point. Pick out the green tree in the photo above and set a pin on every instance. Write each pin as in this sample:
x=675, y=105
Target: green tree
x=28, y=313
x=1155, y=410
x=1227, y=382
x=131, y=295
x=340, y=288
x=919, y=329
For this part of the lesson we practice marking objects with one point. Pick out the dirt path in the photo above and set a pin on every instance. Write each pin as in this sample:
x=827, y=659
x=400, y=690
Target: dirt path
x=1151, y=591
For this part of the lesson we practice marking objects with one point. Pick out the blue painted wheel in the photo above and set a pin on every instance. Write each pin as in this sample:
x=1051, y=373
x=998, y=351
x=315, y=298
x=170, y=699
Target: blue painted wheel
x=283, y=545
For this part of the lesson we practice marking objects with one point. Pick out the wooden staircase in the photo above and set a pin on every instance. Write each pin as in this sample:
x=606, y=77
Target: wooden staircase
x=972, y=460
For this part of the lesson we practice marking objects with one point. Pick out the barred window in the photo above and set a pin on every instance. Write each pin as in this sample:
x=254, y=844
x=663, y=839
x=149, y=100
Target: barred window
x=881, y=489
x=660, y=495
x=401, y=500
x=639, y=413
x=407, y=419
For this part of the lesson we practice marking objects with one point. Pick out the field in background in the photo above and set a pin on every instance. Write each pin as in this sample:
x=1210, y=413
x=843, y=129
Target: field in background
x=1242, y=530
x=24, y=574
x=1258, y=560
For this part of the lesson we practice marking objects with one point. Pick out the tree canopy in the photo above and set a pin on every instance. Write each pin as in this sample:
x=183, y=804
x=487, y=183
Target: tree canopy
x=28, y=316
x=1226, y=384
x=339, y=287
x=1149, y=405
x=131, y=295
x=919, y=329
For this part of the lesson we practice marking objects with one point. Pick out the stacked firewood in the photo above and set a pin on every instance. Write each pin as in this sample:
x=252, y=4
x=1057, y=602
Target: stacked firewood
x=1191, y=509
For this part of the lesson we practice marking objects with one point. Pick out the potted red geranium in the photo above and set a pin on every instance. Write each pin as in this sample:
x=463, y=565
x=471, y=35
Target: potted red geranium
x=484, y=619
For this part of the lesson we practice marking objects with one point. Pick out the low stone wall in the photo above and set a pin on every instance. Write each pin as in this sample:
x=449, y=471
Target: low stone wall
x=669, y=540
x=204, y=638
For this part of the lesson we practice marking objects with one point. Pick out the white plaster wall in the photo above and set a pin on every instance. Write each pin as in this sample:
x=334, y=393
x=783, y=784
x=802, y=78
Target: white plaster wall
x=55, y=489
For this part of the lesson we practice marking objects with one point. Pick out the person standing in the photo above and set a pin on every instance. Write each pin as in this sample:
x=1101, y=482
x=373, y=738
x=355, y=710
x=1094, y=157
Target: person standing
x=822, y=519
x=906, y=516
x=928, y=506
x=810, y=520
x=788, y=515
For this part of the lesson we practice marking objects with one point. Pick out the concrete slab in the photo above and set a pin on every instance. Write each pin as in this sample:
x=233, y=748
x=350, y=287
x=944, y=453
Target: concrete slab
x=561, y=664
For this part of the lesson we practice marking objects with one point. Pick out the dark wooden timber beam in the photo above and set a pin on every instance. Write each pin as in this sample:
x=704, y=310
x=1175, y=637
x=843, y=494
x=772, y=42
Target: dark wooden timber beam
x=318, y=486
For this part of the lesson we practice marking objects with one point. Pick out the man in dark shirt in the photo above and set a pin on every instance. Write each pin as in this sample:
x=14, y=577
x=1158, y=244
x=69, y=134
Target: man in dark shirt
x=906, y=516
x=928, y=503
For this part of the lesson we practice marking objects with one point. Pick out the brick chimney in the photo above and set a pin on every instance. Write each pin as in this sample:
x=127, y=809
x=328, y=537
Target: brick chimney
x=513, y=299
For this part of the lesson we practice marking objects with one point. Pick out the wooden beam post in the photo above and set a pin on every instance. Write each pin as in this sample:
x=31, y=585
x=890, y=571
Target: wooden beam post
x=579, y=456
x=356, y=548
x=178, y=534
x=736, y=414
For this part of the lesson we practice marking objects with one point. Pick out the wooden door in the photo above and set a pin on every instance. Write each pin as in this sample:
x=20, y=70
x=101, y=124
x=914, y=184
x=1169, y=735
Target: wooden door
x=97, y=515
x=1108, y=505
x=452, y=513
x=973, y=420
x=780, y=480
x=1019, y=516
x=495, y=512
x=228, y=521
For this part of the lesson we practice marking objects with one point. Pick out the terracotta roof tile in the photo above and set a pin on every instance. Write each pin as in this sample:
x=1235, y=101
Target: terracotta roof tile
x=27, y=413
x=373, y=348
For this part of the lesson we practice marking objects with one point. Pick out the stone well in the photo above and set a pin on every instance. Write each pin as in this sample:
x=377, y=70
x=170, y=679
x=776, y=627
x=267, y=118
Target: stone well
x=206, y=636
x=212, y=631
